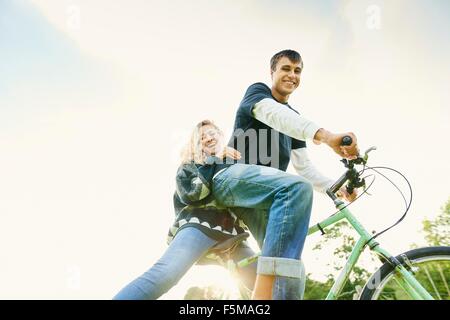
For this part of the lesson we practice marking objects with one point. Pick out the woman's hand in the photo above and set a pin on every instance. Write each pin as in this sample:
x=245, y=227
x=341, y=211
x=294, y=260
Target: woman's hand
x=229, y=152
x=343, y=194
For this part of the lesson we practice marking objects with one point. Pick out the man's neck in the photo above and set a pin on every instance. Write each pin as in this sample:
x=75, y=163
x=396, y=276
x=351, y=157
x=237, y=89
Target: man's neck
x=280, y=98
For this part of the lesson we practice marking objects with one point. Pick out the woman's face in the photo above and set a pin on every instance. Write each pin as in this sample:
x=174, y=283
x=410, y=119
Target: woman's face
x=211, y=139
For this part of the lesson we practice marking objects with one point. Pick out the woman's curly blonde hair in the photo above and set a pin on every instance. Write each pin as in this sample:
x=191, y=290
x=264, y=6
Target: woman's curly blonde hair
x=193, y=151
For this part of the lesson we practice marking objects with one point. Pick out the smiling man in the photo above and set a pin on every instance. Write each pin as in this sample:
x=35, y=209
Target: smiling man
x=268, y=133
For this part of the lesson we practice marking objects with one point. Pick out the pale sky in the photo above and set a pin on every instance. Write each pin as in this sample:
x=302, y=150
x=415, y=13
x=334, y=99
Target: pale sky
x=98, y=96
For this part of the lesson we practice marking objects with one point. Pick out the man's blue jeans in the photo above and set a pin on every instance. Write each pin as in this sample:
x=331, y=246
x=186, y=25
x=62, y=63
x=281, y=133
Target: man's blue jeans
x=279, y=220
x=189, y=245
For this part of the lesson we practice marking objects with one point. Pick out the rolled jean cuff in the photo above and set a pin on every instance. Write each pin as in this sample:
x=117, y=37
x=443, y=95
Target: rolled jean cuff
x=283, y=267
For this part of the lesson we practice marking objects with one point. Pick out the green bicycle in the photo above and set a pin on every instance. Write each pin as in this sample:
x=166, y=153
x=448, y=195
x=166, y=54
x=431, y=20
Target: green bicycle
x=419, y=274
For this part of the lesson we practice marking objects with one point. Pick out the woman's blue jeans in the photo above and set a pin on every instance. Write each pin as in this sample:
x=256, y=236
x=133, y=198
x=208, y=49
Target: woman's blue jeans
x=189, y=245
x=280, y=209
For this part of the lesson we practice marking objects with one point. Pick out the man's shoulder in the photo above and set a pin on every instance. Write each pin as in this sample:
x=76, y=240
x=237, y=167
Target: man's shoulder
x=258, y=86
x=255, y=93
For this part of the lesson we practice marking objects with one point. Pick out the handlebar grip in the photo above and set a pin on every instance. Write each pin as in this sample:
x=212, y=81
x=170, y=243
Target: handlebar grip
x=346, y=141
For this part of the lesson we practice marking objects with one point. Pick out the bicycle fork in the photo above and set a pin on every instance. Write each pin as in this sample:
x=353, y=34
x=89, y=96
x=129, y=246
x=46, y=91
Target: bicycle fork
x=406, y=280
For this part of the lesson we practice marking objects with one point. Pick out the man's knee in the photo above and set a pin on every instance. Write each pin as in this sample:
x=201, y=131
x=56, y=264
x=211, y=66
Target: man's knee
x=304, y=189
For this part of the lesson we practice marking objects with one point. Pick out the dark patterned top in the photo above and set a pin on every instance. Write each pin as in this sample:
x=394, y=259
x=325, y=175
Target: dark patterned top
x=193, y=186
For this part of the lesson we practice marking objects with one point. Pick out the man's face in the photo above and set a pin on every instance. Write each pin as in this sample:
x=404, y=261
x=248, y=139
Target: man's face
x=286, y=77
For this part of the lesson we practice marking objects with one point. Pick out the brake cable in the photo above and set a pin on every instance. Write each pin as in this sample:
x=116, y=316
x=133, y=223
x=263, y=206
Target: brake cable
x=408, y=205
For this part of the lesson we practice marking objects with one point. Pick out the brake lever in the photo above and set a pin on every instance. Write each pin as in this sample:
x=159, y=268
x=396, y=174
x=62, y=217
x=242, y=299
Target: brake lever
x=366, y=154
x=349, y=164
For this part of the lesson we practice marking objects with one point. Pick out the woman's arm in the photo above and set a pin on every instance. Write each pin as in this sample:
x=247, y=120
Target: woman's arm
x=191, y=186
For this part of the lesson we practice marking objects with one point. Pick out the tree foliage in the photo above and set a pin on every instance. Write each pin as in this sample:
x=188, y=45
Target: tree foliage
x=437, y=231
x=205, y=293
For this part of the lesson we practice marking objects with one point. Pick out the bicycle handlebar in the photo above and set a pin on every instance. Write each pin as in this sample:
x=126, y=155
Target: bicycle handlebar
x=351, y=175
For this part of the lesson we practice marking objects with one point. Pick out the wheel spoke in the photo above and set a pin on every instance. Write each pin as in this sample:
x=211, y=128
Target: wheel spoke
x=432, y=282
x=443, y=279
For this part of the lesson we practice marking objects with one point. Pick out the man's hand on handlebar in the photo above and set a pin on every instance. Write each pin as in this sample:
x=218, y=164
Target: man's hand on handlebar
x=346, y=186
x=342, y=193
x=334, y=141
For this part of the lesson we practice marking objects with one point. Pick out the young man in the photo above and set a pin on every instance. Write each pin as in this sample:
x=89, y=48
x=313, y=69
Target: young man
x=268, y=132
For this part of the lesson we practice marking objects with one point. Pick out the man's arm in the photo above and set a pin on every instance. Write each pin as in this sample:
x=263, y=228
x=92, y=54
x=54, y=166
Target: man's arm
x=305, y=168
x=287, y=121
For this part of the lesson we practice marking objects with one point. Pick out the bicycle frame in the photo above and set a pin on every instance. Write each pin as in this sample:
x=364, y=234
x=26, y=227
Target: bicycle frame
x=405, y=279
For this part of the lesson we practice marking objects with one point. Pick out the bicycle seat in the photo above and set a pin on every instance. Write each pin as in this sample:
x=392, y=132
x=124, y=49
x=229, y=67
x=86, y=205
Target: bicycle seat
x=229, y=245
x=222, y=250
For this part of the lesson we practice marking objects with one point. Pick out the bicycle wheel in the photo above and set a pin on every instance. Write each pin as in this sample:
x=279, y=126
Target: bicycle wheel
x=432, y=270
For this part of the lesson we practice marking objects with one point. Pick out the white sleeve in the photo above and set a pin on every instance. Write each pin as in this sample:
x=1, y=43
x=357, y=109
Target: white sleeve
x=304, y=167
x=285, y=120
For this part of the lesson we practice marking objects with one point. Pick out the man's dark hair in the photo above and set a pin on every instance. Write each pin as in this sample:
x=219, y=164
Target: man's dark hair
x=292, y=55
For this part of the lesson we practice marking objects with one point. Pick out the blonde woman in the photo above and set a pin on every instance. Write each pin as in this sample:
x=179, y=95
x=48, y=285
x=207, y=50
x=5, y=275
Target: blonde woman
x=199, y=223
